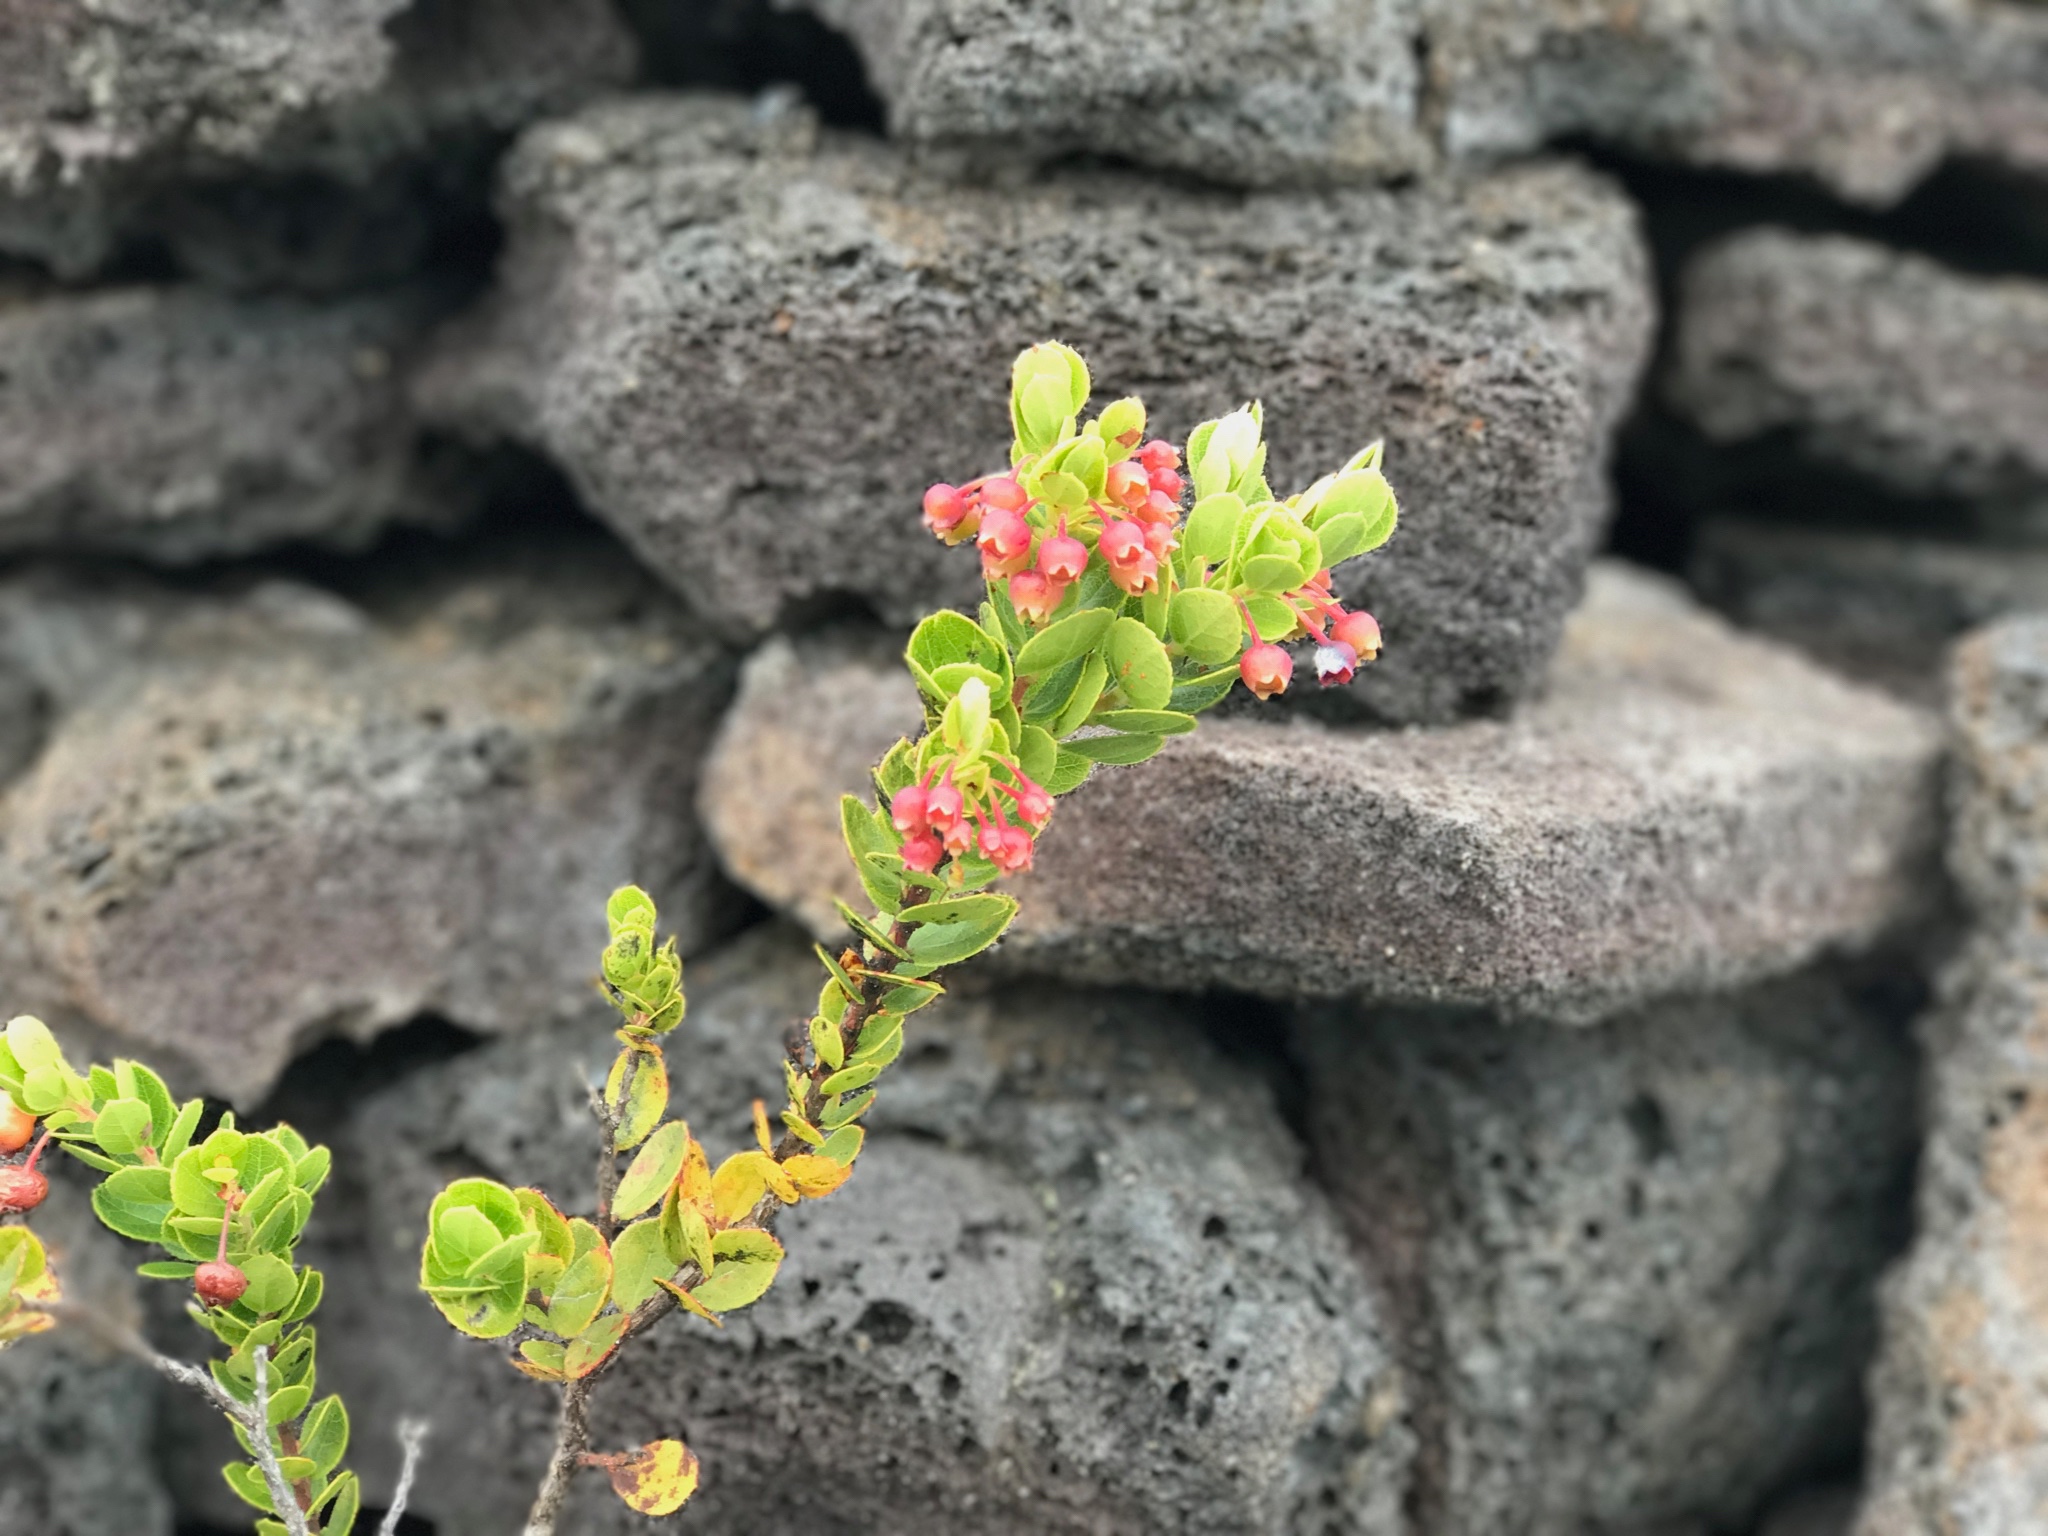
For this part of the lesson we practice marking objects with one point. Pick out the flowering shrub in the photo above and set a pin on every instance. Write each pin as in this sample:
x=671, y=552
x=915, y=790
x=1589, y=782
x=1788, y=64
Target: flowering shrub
x=1116, y=613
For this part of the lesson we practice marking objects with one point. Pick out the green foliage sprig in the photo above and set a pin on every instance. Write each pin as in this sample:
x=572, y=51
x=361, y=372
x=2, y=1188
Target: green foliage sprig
x=1112, y=620
x=225, y=1213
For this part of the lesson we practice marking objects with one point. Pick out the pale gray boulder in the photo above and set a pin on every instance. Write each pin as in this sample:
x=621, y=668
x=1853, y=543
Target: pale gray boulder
x=1685, y=808
x=752, y=346
x=264, y=818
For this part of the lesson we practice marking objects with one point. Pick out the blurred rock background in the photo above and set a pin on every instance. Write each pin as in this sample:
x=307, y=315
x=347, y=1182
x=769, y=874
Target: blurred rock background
x=1590, y=1076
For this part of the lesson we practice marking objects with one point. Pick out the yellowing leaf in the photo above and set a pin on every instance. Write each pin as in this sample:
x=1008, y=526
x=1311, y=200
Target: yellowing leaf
x=590, y=1349
x=742, y=1179
x=657, y=1479
x=695, y=1180
x=652, y=1170
x=690, y=1303
x=815, y=1177
x=747, y=1261
x=645, y=1101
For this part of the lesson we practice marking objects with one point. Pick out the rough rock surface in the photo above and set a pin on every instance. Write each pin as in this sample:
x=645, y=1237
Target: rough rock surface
x=1076, y=1285
x=116, y=119
x=1867, y=95
x=179, y=424
x=1959, y=1442
x=1685, y=808
x=75, y=1440
x=752, y=347
x=263, y=818
x=1933, y=382
x=1874, y=605
x=1633, y=1267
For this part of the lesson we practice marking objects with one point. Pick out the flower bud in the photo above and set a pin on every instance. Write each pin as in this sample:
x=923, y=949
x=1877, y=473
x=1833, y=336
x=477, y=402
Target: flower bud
x=1121, y=543
x=1063, y=557
x=959, y=837
x=1005, y=541
x=1034, y=804
x=1159, y=540
x=1004, y=494
x=1128, y=486
x=1359, y=630
x=219, y=1283
x=943, y=806
x=1166, y=482
x=1159, y=454
x=1012, y=855
x=1159, y=508
x=21, y=1189
x=921, y=854
x=945, y=506
x=1335, y=663
x=907, y=810
x=1266, y=669
x=17, y=1125
x=1034, y=597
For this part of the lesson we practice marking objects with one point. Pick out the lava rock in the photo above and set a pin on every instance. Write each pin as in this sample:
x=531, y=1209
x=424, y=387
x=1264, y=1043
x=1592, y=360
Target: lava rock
x=268, y=817
x=1869, y=359
x=132, y=123
x=1867, y=97
x=752, y=346
x=1959, y=1439
x=178, y=424
x=1878, y=606
x=1633, y=1267
x=1686, y=808
x=1077, y=1284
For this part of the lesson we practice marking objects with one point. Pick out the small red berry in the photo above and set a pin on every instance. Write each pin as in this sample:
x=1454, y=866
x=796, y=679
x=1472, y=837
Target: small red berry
x=1335, y=663
x=21, y=1189
x=17, y=1125
x=1004, y=494
x=922, y=853
x=1063, y=557
x=1266, y=669
x=1034, y=597
x=1359, y=630
x=1128, y=486
x=219, y=1283
x=944, y=508
x=907, y=809
x=1159, y=454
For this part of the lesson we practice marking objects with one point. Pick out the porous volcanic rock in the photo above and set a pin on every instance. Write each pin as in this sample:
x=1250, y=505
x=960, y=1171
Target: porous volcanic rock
x=265, y=817
x=1634, y=1266
x=1876, y=605
x=1685, y=808
x=752, y=345
x=1930, y=381
x=172, y=121
x=1866, y=95
x=1959, y=1438
x=180, y=424
x=1077, y=1284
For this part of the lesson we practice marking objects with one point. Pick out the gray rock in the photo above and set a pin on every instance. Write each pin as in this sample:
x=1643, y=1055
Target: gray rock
x=123, y=120
x=1877, y=606
x=75, y=1441
x=752, y=347
x=1866, y=95
x=266, y=818
x=1077, y=1284
x=1633, y=1267
x=1686, y=808
x=1932, y=382
x=181, y=425
x=1959, y=1440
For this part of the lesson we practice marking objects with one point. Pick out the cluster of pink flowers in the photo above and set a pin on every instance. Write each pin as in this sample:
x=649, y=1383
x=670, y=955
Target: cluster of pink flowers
x=1133, y=532
x=1344, y=637
x=937, y=816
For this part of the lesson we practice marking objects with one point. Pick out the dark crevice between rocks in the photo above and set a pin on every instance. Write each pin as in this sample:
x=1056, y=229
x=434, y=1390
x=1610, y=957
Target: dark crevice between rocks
x=1669, y=476
x=749, y=45
x=323, y=1086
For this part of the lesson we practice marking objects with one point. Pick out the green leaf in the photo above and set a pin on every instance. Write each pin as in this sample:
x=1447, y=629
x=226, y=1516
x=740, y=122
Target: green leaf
x=825, y=1042
x=1037, y=752
x=580, y=1294
x=646, y=1100
x=651, y=1172
x=311, y=1285
x=630, y=907
x=32, y=1045
x=947, y=943
x=1118, y=749
x=138, y=1082
x=849, y=1078
x=273, y=1285
x=286, y=1404
x=982, y=907
x=166, y=1269
x=348, y=1502
x=639, y=1257
x=1195, y=694
x=323, y=1438
x=281, y=1228
x=310, y=1171
x=688, y=1237
x=587, y=1351
x=136, y=1202
x=248, y=1485
x=1275, y=619
x=1094, y=678
x=747, y=1262
x=863, y=836
x=1155, y=722
x=881, y=1039
x=1138, y=664
x=1212, y=526
x=1069, y=772
x=179, y=1137
x=1206, y=625
x=845, y=1112
x=1341, y=538
x=1047, y=696
x=947, y=639
x=843, y=1145
x=1064, y=640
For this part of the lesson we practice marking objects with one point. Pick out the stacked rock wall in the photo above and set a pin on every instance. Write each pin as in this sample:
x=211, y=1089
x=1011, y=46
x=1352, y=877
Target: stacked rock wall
x=445, y=474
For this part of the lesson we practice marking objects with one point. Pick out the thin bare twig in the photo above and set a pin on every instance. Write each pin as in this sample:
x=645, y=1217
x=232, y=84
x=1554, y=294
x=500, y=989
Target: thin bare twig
x=255, y=1417
x=572, y=1439
x=412, y=1433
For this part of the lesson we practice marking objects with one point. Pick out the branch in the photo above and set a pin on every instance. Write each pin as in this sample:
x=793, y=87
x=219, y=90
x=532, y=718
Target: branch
x=572, y=1439
x=411, y=1434
x=253, y=1417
